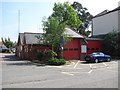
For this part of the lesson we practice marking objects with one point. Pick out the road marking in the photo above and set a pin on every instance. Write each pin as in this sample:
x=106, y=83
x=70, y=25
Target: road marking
x=115, y=61
x=73, y=62
x=90, y=66
x=106, y=65
x=67, y=73
x=76, y=64
x=90, y=71
x=94, y=67
x=54, y=66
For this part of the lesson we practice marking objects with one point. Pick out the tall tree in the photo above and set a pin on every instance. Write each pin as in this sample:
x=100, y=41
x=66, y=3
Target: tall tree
x=54, y=26
x=66, y=14
x=84, y=16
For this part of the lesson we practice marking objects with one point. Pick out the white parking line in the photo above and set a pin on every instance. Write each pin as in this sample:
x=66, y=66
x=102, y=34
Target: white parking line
x=67, y=73
x=115, y=61
x=76, y=64
x=106, y=65
x=73, y=62
x=90, y=71
x=78, y=68
x=90, y=66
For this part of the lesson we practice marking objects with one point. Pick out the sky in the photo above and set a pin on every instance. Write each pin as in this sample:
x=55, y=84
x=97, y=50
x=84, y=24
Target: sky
x=32, y=13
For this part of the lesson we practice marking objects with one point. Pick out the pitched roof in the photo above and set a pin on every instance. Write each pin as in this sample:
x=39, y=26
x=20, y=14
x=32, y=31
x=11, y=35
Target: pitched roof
x=72, y=33
x=36, y=38
x=2, y=45
x=21, y=37
x=33, y=38
x=93, y=38
x=106, y=12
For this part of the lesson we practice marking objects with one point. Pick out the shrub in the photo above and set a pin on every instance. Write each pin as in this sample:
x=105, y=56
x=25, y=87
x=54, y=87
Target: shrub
x=55, y=61
x=45, y=55
x=40, y=55
x=51, y=53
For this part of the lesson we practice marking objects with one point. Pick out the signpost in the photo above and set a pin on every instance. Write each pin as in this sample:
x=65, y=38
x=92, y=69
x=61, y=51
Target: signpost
x=61, y=45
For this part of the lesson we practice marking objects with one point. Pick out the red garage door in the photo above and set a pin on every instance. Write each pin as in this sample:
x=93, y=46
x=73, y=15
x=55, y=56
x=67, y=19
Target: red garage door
x=72, y=49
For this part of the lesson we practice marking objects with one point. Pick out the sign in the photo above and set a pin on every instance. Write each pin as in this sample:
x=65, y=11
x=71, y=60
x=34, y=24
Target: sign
x=83, y=49
x=61, y=41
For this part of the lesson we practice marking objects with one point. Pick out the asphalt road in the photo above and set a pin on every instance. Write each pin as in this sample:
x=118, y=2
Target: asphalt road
x=78, y=74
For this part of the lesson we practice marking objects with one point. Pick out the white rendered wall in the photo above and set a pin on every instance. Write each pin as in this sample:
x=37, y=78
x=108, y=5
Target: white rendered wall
x=106, y=23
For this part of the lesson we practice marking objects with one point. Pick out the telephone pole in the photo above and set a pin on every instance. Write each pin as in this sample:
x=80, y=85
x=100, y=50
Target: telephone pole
x=18, y=21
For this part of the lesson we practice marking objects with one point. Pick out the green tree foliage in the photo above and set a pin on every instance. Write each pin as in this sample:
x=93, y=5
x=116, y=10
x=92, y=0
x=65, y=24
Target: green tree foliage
x=84, y=16
x=66, y=14
x=54, y=26
x=7, y=42
x=111, y=44
x=53, y=30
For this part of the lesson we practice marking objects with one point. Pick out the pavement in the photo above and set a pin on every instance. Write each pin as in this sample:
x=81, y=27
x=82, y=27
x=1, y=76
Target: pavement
x=75, y=74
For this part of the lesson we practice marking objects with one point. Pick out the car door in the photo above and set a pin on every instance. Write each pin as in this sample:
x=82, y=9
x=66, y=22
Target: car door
x=102, y=56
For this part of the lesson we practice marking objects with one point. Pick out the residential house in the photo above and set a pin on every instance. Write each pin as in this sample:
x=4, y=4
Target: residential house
x=106, y=22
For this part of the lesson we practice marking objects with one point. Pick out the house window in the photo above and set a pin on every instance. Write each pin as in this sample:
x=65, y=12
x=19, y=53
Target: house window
x=97, y=48
x=26, y=49
x=92, y=48
x=65, y=49
x=88, y=48
x=76, y=49
x=70, y=49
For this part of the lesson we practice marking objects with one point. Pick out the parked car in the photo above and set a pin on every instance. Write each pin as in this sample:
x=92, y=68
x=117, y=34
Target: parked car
x=13, y=50
x=97, y=57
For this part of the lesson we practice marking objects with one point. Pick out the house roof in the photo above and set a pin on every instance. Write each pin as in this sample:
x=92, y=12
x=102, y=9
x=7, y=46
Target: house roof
x=2, y=46
x=1, y=43
x=33, y=38
x=106, y=12
x=94, y=39
x=72, y=33
x=36, y=38
x=21, y=37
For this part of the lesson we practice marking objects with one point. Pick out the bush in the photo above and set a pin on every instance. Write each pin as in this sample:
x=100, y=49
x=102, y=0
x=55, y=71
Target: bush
x=40, y=55
x=56, y=61
x=51, y=53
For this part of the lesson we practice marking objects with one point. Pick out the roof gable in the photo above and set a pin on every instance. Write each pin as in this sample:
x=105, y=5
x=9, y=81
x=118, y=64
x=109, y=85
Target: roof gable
x=21, y=39
x=33, y=38
x=72, y=33
x=107, y=12
x=36, y=38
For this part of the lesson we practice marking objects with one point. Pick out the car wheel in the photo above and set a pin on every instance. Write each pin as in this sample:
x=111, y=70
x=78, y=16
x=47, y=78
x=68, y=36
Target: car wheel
x=108, y=60
x=96, y=60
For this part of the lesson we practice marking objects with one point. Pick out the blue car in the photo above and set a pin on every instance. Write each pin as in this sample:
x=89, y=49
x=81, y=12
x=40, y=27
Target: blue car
x=97, y=57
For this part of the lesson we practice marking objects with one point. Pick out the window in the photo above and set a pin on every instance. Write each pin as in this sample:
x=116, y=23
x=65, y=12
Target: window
x=70, y=49
x=97, y=48
x=92, y=48
x=76, y=49
x=65, y=49
x=88, y=48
